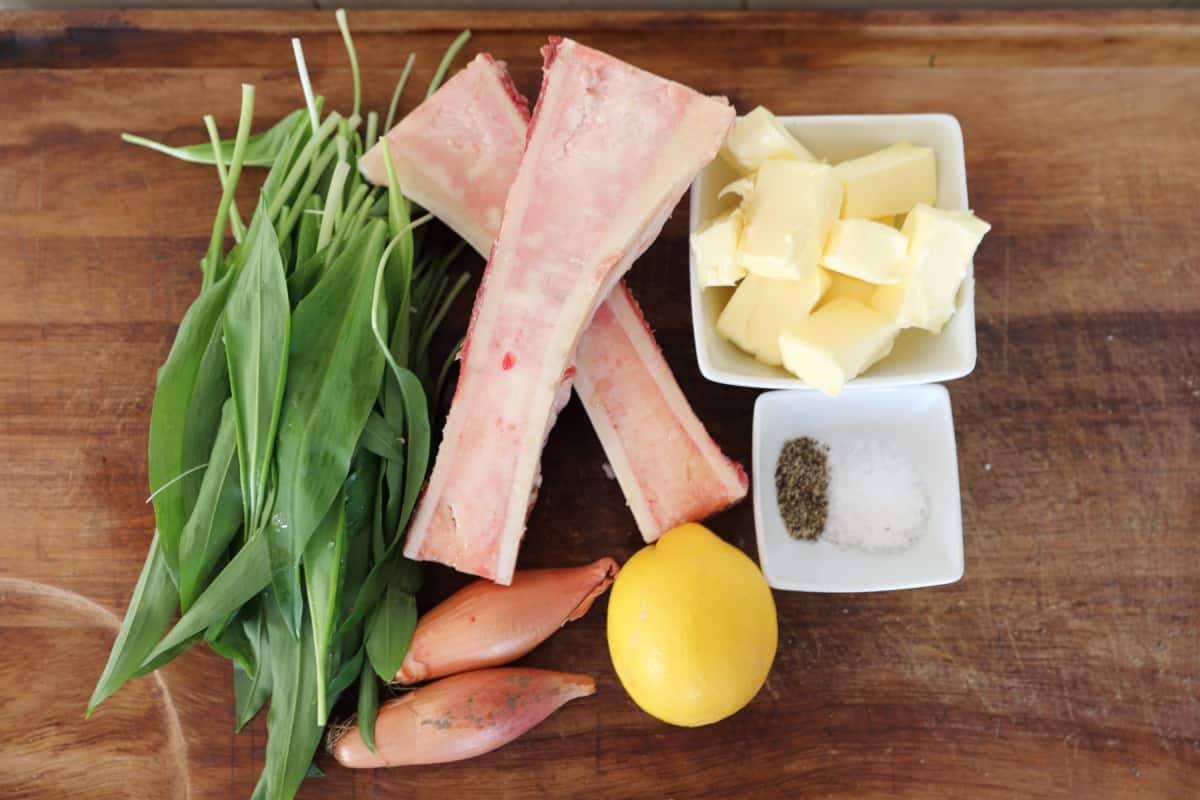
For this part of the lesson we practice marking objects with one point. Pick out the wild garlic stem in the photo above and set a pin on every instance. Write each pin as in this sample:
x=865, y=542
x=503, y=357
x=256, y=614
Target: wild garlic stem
x=400, y=84
x=340, y=16
x=245, y=118
x=333, y=200
x=372, y=128
x=214, y=136
x=310, y=183
x=305, y=84
x=451, y=52
x=301, y=164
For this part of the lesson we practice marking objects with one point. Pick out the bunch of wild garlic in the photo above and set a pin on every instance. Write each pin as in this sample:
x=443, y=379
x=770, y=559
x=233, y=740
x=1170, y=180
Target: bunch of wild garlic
x=290, y=431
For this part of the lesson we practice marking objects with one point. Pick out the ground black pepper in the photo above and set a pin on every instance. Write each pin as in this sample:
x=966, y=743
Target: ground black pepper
x=801, y=483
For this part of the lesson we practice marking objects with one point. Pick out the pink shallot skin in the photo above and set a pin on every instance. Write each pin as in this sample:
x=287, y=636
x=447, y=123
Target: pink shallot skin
x=485, y=624
x=461, y=717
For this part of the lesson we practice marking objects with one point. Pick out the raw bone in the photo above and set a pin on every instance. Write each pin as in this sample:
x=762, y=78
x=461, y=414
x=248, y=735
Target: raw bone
x=478, y=530
x=623, y=380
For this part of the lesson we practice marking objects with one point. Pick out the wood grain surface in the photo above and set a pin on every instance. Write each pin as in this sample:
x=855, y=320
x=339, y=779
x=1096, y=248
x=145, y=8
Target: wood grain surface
x=1065, y=663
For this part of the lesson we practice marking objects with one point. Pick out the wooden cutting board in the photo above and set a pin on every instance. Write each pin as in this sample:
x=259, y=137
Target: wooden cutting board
x=1066, y=661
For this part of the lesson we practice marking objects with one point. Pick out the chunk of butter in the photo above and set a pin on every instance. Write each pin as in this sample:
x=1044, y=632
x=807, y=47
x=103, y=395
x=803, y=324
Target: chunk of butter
x=759, y=136
x=845, y=286
x=715, y=250
x=742, y=187
x=866, y=250
x=761, y=308
x=888, y=181
x=940, y=247
x=788, y=217
x=836, y=343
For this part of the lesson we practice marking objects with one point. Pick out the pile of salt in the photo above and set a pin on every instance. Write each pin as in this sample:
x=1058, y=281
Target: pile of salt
x=876, y=498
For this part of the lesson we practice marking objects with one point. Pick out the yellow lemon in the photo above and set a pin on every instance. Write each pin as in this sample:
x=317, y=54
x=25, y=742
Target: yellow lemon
x=691, y=627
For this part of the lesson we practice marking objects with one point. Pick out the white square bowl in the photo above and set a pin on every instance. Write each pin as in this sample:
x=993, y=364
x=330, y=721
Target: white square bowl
x=918, y=356
x=916, y=422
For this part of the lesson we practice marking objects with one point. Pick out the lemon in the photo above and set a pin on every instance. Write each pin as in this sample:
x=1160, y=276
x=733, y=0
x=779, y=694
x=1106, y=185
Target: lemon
x=691, y=627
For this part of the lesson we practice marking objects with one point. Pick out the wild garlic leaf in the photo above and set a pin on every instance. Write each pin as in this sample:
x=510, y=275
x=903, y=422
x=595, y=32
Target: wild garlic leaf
x=292, y=730
x=262, y=149
x=216, y=516
x=257, y=325
x=228, y=639
x=251, y=690
x=390, y=631
x=359, y=491
x=334, y=374
x=345, y=674
x=246, y=574
x=192, y=386
x=393, y=568
x=147, y=618
x=368, y=705
x=382, y=439
x=323, y=561
x=306, y=246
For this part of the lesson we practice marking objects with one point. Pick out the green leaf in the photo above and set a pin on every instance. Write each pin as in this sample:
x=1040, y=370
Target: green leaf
x=306, y=275
x=390, y=630
x=345, y=675
x=306, y=243
x=252, y=690
x=246, y=574
x=149, y=613
x=192, y=386
x=368, y=706
x=359, y=491
x=257, y=326
x=416, y=450
x=399, y=90
x=323, y=557
x=382, y=439
x=228, y=638
x=392, y=568
x=379, y=541
x=261, y=149
x=334, y=374
x=216, y=516
x=292, y=730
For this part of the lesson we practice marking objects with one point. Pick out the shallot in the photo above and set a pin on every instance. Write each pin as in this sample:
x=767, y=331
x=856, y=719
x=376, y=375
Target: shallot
x=460, y=717
x=485, y=624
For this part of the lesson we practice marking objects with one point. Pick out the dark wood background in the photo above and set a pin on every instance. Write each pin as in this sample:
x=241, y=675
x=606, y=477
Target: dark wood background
x=1066, y=661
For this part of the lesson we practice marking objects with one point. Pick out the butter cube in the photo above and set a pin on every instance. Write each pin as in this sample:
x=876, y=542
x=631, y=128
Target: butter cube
x=888, y=181
x=788, y=217
x=759, y=136
x=715, y=249
x=742, y=187
x=865, y=250
x=845, y=286
x=761, y=308
x=836, y=343
x=940, y=247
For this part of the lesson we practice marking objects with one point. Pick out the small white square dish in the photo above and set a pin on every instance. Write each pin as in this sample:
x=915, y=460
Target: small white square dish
x=914, y=422
x=918, y=356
